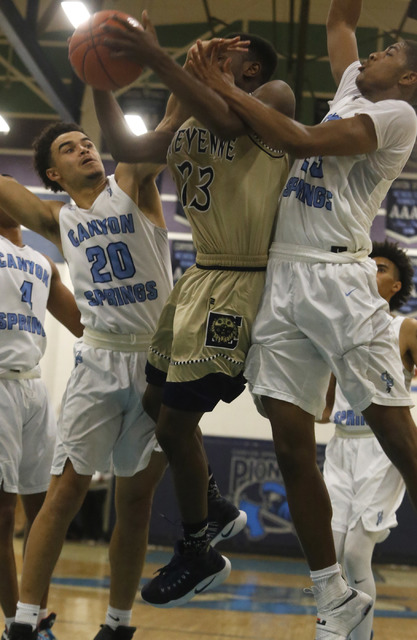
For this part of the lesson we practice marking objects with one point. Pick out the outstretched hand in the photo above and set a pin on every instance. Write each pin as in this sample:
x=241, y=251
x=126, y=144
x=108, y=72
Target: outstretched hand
x=132, y=41
x=223, y=46
x=213, y=70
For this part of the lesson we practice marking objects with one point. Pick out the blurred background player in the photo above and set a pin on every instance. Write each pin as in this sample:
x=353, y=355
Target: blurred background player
x=364, y=486
x=30, y=284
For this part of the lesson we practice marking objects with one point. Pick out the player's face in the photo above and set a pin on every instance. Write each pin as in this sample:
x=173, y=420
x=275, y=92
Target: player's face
x=236, y=66
x=387, y=278
x=383, y=69
x=75, y=159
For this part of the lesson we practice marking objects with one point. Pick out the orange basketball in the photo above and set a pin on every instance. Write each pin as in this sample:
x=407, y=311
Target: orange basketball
x=90, y=58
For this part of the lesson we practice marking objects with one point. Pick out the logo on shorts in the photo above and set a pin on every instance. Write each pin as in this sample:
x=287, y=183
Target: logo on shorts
x=222, y=330
x=389, y=381
x=78, y=358
x=379, y=517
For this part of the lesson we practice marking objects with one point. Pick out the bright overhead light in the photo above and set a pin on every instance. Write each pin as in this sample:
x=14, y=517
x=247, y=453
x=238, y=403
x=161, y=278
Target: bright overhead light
x=4, y=127
x=76, y=12
x=136, y=124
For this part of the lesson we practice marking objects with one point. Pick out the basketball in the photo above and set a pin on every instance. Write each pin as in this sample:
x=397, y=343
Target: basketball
x=91, y=59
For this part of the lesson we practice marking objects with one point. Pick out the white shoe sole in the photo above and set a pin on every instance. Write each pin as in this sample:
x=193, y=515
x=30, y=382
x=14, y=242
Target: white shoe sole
x=328, y=631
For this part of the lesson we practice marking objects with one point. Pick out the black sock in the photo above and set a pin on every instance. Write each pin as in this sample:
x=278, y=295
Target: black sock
x=213, y=489
x=195, y=536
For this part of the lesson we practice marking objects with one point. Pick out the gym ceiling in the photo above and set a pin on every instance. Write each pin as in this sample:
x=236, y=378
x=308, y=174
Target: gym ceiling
x=37, y=84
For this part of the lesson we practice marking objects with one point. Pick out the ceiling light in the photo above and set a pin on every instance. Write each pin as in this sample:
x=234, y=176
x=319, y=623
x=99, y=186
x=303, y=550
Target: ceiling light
x=76, y=12
x=4, y=127
x=136, y=124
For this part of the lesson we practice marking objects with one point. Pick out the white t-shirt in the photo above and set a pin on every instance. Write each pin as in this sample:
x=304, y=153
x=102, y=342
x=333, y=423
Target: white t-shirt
x=332, y=200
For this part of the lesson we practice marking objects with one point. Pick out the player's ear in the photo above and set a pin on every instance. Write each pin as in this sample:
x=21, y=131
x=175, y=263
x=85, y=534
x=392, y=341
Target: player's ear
x=396, y=286
x=409, y=78
x=53, y=174
x=251, y=69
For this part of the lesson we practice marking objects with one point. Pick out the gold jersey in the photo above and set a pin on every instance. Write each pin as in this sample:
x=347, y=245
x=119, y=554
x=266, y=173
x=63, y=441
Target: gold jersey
x=229, y=190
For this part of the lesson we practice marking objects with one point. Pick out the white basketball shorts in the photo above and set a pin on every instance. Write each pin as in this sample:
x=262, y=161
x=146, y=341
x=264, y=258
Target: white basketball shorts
x=363, y=484
x=27, y=436
x=102, y=420
x=317, y=317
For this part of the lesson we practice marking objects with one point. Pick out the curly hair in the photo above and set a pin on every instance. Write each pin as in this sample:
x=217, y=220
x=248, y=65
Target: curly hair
x=42, y=149
x=391, y=251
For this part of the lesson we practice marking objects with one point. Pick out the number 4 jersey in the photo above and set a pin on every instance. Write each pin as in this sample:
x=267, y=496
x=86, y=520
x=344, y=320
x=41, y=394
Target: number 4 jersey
x=25, y=278
x=119, y=263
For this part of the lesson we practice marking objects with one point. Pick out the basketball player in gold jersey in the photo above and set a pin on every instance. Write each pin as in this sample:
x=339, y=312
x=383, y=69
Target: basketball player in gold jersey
x=228, y=183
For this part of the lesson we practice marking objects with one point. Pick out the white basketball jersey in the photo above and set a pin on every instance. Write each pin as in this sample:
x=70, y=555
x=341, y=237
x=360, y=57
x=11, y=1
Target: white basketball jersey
x=350, y=423
x=119, y=263
x=25, y=277
x=331, y=201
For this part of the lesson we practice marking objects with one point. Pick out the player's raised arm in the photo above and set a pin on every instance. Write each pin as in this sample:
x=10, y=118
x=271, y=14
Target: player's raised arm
x=341, y=25
x=347, y=136
x=123, y=145
x=207, y=106
x=29, y=210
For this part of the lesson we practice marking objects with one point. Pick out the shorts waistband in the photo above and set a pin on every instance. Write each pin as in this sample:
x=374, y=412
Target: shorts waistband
x=117, y=341
x=20, y=375
x=218, y=267
x=342, y=432
x=231, y=262
x=301, y=253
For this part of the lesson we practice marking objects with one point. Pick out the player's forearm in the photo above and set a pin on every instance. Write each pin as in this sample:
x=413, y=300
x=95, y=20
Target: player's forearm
x=274, y=128
x=123, y=145
x=175, y=114
x=61, y=304
x=344, y=12
x=204, y=103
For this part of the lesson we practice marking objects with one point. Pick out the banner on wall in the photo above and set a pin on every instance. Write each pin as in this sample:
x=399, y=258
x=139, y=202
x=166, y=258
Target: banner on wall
x=401, y=219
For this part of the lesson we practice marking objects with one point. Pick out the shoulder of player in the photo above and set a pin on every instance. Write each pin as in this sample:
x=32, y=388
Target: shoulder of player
x=278, y=95
x=408, y=330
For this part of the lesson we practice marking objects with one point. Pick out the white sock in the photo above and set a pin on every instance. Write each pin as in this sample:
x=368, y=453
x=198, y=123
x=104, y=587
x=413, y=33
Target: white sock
x=42, y=614
x=330, y=585
x=27, y=614
x=118, y=617
x=8, y=622
x=321, y=577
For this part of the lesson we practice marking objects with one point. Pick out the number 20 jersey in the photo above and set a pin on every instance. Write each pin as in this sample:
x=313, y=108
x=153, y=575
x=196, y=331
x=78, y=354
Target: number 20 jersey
x=119, y=263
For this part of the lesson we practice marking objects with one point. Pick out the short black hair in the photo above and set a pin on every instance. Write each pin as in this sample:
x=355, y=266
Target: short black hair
x=411, y=54
x=391, y=251
x=42, y=149
x=259, y=50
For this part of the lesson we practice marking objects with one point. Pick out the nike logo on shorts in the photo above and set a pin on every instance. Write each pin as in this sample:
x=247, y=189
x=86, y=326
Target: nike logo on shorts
x=351, y=291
